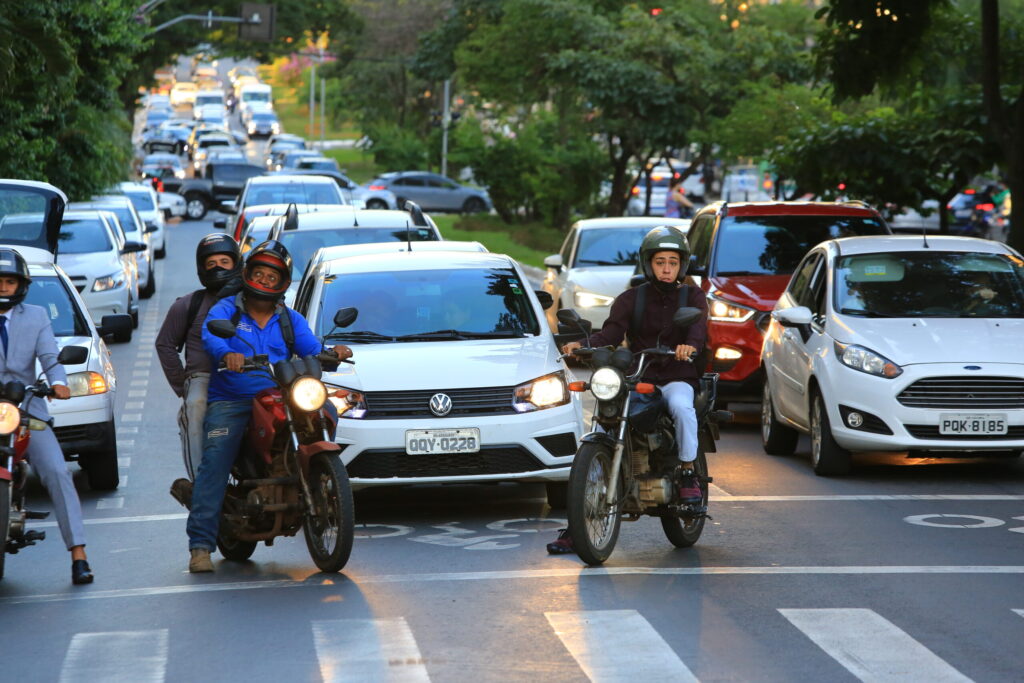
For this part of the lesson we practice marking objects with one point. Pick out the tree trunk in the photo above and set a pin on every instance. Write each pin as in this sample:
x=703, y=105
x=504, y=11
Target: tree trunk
x=619, y=192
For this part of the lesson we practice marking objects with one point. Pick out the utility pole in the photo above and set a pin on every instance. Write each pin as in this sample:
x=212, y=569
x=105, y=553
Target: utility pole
x=323, y=111
x=446, y=119
x=312, y=96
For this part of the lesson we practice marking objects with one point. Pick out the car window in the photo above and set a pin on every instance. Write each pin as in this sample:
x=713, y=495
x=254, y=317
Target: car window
x=774, y=245
x=234, y=171
x=485, y=301
x=699, y=237
x=801, y=282
x=83, y=236
x=609, y=246
x=410, y=182
x=567, y=245
x=49, y=292
x=22, y=217
x=142, y=201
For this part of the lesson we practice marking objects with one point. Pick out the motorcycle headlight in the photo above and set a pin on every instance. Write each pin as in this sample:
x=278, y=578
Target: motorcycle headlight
x=544, y=392
x=606, y=383
x=589, y=300
x=10, y=417
x=112, y=281
x=866, y=360
x=86, y=383
x=308, y=394
x=350, y=404
x=724, y=311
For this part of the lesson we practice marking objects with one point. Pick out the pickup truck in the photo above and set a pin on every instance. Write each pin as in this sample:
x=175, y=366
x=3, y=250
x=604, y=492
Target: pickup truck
x=224, y=181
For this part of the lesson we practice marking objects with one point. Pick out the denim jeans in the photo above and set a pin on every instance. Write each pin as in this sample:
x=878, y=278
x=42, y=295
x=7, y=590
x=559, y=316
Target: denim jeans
x=224, y=426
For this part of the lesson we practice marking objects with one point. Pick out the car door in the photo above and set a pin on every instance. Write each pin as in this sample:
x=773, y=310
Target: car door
x=447, y=192
x=785, y=351
x=413, y=187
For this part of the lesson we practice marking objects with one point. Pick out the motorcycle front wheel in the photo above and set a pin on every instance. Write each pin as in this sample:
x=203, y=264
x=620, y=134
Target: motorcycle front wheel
x=5, y=521
x=232, y=548
x=683, y=533
x=593, y=523
x=330, y=526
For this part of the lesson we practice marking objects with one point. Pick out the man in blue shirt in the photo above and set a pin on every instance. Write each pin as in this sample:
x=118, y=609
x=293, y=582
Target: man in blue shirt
x=262, y=321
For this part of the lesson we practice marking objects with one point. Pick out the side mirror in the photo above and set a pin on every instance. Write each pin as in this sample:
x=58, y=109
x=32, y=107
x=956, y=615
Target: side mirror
x=228, y=207
x=568, y=316
x=117, y=326
x=637, y=280
x=131, y=247
x=150, y=227
x=553, y=261
x=545, y=298
x=798, y=316
x=686, y=316
x=73, y=355
x=695, y=270
x=221, y=328
x=220, y=224
x=345, y=316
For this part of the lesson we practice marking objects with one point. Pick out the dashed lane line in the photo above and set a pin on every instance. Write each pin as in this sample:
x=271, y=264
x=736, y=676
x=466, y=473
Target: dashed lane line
x=368, y=650
x=116, y=656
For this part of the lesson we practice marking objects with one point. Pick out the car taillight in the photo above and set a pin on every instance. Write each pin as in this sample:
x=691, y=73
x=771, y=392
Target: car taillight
x=378, y=187
x=238, y=227
x=635, y=190
x=968, y=191
x=985, y=207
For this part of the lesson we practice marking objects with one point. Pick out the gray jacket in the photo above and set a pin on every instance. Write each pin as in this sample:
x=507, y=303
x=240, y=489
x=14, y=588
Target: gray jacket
x=30, y=337
x=176, y=332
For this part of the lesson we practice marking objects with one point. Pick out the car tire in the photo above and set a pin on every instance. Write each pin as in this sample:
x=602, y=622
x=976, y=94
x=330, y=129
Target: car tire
x=134, y=313
x=100, y=465
x=150, y=289
x=557, y=492
x=376, y=204
x=161, y=252
x=474, y=205
x=828, y=458
x=776, y=438
x=195, y=206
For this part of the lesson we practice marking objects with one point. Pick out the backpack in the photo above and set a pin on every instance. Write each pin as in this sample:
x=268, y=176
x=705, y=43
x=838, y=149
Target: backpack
x=193, y=310
x=641, y=302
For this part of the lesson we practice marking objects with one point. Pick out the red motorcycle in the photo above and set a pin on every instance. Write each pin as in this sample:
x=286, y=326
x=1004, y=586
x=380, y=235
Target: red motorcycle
x=16, y=427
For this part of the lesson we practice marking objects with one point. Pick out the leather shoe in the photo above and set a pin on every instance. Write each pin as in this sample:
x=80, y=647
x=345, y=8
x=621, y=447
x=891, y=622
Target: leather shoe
x=80, y=572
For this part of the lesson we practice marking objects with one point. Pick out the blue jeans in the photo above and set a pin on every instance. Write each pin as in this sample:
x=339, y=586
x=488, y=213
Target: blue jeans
x=224, y=427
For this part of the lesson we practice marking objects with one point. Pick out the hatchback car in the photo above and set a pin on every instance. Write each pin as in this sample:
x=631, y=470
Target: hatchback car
x=595, y=263
x=457, y=379
x=742, y=257
x=285, y=189
x=433, y=192
x=147, y=204
x=897, y=344
x=134, y=231
x=262, y=123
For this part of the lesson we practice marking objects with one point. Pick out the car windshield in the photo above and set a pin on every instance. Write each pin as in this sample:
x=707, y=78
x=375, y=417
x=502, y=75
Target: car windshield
x=774, y=245
x=319, y=164
x=609, y=246
x=203, y=100
x=83, y=236
x=298, y=193
x=264, y=116
x=303, y=244
x=255, y=96
x=142, y=201
x=53, y=296
x=429, y=305
x=930, y=285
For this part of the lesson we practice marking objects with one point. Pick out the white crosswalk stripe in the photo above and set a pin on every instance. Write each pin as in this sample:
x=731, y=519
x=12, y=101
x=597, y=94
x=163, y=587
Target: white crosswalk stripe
x=131, y=656
x=1019, y=611
x=871, y=647
x=368, y=650
x=618, y=645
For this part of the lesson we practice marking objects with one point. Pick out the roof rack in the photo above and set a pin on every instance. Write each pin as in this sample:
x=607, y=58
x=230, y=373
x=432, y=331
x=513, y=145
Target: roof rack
x=416, y=212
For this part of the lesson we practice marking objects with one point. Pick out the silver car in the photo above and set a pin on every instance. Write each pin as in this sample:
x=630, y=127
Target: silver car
x=433, y=192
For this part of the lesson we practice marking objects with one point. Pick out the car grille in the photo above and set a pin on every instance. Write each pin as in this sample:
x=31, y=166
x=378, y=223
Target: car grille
x=387, y=463
x=384, y=405
x=74, y=433
x=964, y=392
x=932, y=432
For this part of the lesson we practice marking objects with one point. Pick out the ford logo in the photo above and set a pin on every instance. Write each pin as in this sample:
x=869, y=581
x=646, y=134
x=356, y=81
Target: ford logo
x=440, y=404
x=972, y=367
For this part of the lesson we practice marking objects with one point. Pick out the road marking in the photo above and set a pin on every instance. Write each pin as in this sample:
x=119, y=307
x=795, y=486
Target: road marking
x=1019, y=611
x=123, y=520
x=124, y=461
x=134, y=405
x=837, y=498
x=1018, y=529
x=639, y=652
x=135, y=656
x=126, y=443
x=121, y=429
x=368, y=650
x=140, y=373
x=137, y=393
x=871, y=647
x=536, y=522
x=573, y=574
x=718, y=493
x=144, y=363
x=131, y=417
x=140, y=382
x=978, y=521
x=144, y=353
x=110, y=503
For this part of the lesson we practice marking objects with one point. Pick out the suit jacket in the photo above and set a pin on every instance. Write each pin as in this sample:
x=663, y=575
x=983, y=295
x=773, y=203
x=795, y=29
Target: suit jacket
x=30, y=337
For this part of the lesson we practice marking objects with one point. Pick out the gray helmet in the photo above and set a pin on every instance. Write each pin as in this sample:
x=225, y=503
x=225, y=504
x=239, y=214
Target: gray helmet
x=12, y=263
x=664, y=238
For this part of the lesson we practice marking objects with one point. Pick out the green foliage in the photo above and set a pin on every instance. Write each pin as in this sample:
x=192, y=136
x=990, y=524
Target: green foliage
x=527, y=243
x=396, y=149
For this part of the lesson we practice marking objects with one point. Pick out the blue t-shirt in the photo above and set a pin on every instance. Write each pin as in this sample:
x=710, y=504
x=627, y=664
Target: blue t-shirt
x=237, y=386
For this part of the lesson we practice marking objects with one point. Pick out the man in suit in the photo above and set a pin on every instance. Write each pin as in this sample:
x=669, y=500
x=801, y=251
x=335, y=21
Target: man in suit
x=26, y=336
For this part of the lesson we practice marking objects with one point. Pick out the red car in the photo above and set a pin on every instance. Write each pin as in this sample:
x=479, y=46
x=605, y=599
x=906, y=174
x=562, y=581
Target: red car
x=742, y=257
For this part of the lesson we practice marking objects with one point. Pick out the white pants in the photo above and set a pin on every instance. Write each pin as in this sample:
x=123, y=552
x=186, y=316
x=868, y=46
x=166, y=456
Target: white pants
x=47, y=460
x=190, y=421
x=679, y=396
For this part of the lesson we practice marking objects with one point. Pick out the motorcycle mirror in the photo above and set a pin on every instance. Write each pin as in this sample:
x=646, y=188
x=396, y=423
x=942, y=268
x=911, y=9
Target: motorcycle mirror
x=568, y=316
x=686, y=316
x=345, y=316
x=221, y=328
x=73, y=355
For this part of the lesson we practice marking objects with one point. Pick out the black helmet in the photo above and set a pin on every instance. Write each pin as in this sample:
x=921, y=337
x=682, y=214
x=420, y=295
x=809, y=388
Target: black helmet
x=217, y=243
x=664, y=238
x=12, y=263
x=273, y=254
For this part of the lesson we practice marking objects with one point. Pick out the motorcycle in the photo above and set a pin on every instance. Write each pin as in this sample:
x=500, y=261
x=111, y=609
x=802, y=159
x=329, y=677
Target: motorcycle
x=628, y=465
x=16, y=427
x=288, y=474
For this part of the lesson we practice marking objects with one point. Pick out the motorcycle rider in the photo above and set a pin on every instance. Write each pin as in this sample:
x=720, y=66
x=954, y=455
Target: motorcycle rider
x=271, y=328
x=26, y=336
x=218, y=262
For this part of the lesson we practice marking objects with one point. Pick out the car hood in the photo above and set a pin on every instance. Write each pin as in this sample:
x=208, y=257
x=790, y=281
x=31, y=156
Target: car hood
x=446, y=364
x=911, y=341
x=759, y=291
x=607, y=280
x=87, y=342
x=94, y=263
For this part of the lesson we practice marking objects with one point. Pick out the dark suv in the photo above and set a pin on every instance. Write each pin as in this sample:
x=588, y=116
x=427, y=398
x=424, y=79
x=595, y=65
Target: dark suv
x=743, y=256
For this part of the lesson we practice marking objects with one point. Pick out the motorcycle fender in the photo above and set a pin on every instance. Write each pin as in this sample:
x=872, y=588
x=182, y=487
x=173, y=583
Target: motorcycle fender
x=599, y=438
x=706, y=439
x=5, y=474
x=308, y=450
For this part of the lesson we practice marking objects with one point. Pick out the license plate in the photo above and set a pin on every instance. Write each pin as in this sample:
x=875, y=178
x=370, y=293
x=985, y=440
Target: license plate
x=438, y=441
x=972, y=423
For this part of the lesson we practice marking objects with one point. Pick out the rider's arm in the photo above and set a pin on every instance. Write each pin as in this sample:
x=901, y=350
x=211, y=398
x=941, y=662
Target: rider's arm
x=172, y=334
x=615, y=327
x=697, y=333
x=216, y=347
x=306, y=343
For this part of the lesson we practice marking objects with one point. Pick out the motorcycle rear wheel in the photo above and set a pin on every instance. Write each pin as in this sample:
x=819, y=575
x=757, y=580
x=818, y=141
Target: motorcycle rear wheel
x=682, y=533
x=330, y=526
x=5, y=521
x=593, y=523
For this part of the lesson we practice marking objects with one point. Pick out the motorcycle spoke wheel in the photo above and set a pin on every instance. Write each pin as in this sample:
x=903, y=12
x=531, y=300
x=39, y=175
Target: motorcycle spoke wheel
x=593, y=523
x=330, y=526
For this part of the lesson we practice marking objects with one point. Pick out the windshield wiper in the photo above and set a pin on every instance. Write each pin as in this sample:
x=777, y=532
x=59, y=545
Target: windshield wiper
x=598, y=262
x=361, y=335
x=867, y=314
x=457, y=335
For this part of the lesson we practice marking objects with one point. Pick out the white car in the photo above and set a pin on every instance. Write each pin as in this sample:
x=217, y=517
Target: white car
x=134, y=231
x=897, y=343
x=456, y=378
x=183, y=92
x=100, y=264
x=147, y=205
x=171, y=204
x=595, y=263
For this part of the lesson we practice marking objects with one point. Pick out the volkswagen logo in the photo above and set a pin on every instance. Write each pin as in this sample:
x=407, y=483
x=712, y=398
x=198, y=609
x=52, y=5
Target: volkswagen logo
x=440, y=404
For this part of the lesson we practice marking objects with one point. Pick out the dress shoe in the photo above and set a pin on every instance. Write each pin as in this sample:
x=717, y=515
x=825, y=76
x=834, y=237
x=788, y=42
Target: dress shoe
x=80, y=572
x=200, y=561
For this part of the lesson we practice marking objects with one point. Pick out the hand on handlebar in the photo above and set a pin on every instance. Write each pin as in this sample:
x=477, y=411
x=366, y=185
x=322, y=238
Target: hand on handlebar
x=685, y=352
x=60, y=392
x=570, y=347
x=233, y=361
x=342, y=352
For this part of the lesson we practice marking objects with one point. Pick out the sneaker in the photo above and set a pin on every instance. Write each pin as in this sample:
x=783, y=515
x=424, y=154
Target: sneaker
x=200, y=561
x=562, y=545
x=181, y=491
x=689, y=487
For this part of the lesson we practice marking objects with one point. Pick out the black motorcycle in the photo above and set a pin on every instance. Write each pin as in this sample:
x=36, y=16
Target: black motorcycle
x=629, y=466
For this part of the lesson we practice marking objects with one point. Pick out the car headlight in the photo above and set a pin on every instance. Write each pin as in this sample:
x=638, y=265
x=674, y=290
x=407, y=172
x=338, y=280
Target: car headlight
x=10, y=417
x=180, y=173
x=350, y=404
x=606, y=383
x=308, y=394
x=86, y=383
x=866, y=360
x=544, y=392
x=724, y=311
x=589, y=300
x=112, y=281
x=252, y=128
